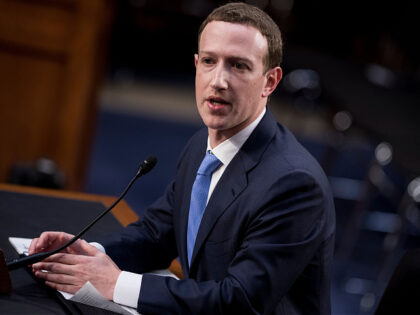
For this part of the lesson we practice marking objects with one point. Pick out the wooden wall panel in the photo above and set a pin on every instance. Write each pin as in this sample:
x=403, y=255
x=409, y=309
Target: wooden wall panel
x=37, y=24
x=32, y=87
x=51, y=56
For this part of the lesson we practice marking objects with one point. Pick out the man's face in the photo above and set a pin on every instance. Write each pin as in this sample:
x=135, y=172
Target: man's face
x=231, y=86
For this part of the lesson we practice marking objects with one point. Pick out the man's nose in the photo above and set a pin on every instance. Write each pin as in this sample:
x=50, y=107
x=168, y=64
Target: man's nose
x=220, y=78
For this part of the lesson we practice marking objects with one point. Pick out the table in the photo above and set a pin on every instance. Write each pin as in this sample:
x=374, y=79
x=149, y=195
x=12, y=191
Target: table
x=26, y=212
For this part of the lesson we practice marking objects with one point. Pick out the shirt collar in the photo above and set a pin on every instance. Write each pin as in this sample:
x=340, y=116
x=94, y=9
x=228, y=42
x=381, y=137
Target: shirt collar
x=227, y=150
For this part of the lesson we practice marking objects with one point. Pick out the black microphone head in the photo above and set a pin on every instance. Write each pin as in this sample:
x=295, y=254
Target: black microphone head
x=147, y=165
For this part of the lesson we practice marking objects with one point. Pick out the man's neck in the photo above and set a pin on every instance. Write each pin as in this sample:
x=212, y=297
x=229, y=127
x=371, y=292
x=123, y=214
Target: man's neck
x=216, y=136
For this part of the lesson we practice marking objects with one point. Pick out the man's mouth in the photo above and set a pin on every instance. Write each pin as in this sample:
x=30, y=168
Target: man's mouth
x=217, y=101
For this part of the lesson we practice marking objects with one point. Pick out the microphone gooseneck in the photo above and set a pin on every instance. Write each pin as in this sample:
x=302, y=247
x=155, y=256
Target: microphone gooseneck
x=145, y=167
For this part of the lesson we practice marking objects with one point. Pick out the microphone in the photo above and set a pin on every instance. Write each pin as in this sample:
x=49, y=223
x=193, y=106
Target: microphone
x=145, y=167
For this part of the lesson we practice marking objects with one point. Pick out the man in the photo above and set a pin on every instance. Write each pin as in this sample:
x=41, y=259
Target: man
x=264, y=243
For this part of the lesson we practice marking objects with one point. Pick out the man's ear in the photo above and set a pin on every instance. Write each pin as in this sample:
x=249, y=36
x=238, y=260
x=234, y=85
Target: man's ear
x=273, y=77
x=195, y=59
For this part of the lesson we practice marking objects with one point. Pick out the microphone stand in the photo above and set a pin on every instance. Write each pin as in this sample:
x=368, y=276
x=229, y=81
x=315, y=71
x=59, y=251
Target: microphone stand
x=5, y=283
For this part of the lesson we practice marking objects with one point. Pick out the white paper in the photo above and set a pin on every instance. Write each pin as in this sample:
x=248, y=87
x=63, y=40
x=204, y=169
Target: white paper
x=90, y=296
x=20, y=244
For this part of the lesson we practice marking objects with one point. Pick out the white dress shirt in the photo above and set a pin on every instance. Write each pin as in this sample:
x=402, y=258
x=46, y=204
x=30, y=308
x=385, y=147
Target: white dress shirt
x=127, y=288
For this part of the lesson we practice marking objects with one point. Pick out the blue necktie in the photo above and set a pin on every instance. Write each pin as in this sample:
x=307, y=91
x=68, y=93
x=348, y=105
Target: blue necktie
x=199, y=193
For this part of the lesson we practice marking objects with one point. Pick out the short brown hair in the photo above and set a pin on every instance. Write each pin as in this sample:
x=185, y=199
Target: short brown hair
x=242, y=13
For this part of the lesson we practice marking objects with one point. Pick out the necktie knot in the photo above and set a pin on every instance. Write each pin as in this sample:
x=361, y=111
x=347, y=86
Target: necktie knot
x=209, y=164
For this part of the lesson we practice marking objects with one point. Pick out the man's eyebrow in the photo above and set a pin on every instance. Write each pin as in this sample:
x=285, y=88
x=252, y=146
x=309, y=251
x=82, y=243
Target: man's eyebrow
x=231, y=57
x=239, y=58
x=205, y=52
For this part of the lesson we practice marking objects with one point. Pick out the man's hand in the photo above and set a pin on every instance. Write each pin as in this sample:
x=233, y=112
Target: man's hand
x=48, y=241
x=69, y=272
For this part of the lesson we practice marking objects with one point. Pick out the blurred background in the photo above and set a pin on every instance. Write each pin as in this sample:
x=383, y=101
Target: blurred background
x=88, y=89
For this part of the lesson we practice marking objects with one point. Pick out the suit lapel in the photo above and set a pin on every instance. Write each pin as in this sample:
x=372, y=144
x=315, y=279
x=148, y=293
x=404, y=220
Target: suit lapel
x=234, y=179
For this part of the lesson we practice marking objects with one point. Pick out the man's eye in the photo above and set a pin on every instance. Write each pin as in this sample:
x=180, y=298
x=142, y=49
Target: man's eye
x=207, y=61
x=240, y=66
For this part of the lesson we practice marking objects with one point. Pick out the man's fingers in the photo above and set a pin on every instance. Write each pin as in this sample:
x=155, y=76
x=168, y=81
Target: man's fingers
x=69, y=272
x=69, y=288
x=38, y=245
x=46, y=239
x=62, y=282
x=43, y=242
x=62, y=258
x=52, y=240
x=44, y=267
x=89, y=249
x=32, y=247
x=55, y=277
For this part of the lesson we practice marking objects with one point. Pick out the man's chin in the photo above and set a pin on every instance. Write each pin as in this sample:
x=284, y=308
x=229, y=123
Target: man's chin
x=216, y=125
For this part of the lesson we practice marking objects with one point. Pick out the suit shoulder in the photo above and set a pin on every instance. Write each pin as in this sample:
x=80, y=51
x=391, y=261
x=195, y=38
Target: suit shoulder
x=286, y=156
x=290, y=153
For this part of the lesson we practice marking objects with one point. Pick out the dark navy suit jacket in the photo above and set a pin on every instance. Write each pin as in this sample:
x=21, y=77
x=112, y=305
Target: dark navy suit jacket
x=265, y=243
